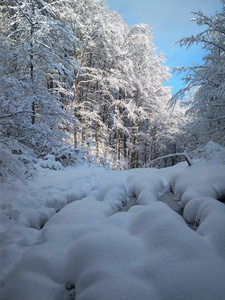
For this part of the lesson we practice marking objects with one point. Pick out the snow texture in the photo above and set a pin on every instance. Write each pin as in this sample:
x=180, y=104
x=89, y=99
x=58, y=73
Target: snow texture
x=65, y=235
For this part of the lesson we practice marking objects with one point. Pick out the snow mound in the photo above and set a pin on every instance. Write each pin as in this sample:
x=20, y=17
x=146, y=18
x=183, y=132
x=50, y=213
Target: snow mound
x=206, y=180
x=49, y=162
x=146, y=185
x=208, y=214
x=92, y=250
x=213, y=152
x=145, y=260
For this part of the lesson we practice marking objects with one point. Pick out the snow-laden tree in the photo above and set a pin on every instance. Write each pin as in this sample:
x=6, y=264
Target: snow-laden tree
x=149, y=95
x=37, y=72
x=207, y=107
x=120, y=87
x=74, y=68
x=88, y=22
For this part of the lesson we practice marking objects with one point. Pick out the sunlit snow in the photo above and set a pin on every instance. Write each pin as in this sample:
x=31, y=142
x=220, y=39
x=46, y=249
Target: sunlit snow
x=88, y=233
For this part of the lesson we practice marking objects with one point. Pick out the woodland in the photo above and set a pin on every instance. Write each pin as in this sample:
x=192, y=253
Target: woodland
x=95, y=203
x=78, y=83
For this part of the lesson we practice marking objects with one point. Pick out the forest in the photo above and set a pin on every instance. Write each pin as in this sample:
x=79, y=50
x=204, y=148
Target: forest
x=111, y=186
x=77, y=81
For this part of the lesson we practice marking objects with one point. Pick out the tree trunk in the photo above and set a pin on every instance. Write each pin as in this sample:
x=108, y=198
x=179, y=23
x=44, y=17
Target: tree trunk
x=105, y=121
x=118, y=146
x=133, y=152
x=124, y=146
x=75, y=136
x=97, y=137
x=33, y=116
x=136, y=159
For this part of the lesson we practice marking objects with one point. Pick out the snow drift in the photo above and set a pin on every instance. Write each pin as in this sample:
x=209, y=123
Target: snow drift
x=66, y=234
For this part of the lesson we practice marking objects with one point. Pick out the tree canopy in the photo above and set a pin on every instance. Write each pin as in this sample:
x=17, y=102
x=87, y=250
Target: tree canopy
x=206, y=82
x=75, y=76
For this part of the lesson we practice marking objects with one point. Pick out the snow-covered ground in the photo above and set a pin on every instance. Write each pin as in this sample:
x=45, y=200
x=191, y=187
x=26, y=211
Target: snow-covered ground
x=87, y=233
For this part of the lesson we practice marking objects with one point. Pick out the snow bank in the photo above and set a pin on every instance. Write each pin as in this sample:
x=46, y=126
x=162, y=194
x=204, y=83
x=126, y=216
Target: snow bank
x=91, y=250
x=208, y=214
x=205, y=180
x=212, y=152
x=26, y=208
x=146, y=185
x=14, y=242
x=156, y=257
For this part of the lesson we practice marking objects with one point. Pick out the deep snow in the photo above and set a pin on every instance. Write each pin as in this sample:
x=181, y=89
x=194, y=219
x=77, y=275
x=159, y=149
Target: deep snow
x=65, y=234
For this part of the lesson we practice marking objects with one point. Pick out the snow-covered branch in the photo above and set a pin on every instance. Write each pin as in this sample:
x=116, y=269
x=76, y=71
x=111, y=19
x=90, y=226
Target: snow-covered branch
x=184, y=154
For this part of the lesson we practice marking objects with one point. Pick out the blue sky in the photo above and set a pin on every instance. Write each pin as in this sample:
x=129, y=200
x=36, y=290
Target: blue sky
x=169, y=21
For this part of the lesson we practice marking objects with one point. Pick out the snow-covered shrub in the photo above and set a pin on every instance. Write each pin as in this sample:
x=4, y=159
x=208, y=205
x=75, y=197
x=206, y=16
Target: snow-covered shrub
x=211, y=152
x=69, y=156
x=10, y=166
x=50, y=162
x=23, y=153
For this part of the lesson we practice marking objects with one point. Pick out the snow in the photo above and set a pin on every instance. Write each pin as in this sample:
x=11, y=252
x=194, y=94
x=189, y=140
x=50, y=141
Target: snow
x=49, y=162
x=90, y=233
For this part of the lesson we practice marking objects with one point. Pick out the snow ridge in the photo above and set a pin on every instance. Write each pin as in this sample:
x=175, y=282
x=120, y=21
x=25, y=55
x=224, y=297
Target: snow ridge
x=92, y=249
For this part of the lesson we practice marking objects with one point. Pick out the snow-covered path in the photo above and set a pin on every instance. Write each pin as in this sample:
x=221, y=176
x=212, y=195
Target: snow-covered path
x=66, y=235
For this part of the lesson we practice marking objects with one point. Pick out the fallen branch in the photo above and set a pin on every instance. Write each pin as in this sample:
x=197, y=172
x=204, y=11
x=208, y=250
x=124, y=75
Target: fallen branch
x=184, y=154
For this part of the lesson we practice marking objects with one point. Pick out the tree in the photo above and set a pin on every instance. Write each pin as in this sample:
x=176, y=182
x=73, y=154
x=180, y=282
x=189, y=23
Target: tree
x=37, y=73
x=73, y=71
x=120, y=90
x=207, y=106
